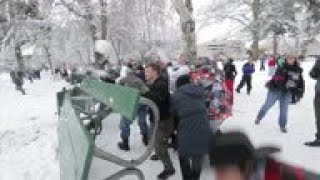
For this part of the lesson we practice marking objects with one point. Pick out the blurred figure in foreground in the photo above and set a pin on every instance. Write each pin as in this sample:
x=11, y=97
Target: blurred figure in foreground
x=233, y=157
x=315, y=74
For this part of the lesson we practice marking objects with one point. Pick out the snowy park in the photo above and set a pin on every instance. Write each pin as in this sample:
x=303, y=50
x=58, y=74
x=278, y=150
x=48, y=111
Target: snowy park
x=159, y=89
x=29, y=130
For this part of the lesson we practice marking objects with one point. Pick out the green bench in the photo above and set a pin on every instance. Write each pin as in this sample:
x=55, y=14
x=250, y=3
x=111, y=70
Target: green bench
x=76, y=141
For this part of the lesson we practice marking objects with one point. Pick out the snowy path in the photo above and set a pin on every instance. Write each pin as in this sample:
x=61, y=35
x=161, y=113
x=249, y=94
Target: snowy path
x=28, y=139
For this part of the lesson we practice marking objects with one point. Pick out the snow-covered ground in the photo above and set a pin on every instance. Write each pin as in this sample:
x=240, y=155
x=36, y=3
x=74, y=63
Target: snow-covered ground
x=28, y=139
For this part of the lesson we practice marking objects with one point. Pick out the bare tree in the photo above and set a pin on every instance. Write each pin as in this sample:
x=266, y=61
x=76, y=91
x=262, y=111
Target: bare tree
x=185, y=10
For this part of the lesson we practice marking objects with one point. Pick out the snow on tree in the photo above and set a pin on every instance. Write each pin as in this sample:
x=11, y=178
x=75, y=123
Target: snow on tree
x=184, y=9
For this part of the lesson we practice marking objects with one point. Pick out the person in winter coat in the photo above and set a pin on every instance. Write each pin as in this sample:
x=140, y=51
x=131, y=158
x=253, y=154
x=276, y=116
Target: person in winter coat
x=230, y=72
x=188, y=106
x=281, y=61
x=272, y=65
x=134, y=82
x=315, y=74
x=139, y=72
x=263, y=62
x=159, y=94
x=286, y=83
x=18, y=81
x=248, y=69
x=233, y=157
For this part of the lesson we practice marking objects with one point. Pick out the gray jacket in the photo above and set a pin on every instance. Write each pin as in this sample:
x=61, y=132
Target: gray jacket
x=134, y=82
x=315, y=74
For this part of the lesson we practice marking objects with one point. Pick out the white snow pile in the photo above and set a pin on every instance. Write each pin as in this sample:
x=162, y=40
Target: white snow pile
x=28, y=136
x=28, y=139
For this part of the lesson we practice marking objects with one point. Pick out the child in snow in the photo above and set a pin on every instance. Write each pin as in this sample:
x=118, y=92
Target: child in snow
x=248, y=69
x=315, y=74
x=284, y=85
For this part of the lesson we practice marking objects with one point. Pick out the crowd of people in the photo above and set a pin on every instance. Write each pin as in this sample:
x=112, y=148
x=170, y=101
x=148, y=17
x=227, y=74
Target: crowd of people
x=191, y=100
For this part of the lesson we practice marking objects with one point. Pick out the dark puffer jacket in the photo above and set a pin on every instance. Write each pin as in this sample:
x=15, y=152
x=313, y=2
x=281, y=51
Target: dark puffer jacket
x=188, y=105
x=159, y=94
x=315, y=74
x=288, y=79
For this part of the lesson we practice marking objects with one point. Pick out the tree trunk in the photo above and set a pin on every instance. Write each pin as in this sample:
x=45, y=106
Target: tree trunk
x=255, y=46
x=256, y=6
x=49, y=59
x=103, y=19
x=188, y=32
x=275, y=44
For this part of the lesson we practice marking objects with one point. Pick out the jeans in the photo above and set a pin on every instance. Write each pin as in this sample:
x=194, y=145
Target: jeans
x=191, y=167
x=125, y=123
x=272, y=71
x=317, y=111
x=284, y=99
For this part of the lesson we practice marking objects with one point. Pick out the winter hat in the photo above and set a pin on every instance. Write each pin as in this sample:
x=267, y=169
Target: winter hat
x=183, y=80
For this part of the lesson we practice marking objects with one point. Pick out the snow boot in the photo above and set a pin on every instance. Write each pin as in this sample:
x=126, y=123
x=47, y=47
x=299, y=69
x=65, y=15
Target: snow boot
x=284, y=130
x=257, y=122
x=166, y=174
x=315, y=143
x=124, y=145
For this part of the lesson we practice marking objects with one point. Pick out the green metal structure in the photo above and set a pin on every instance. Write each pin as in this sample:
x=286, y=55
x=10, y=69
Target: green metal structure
x=81, y=111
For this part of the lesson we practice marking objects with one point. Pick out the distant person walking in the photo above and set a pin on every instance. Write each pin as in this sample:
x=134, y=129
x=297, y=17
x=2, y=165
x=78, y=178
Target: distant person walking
x=230, y=72
x=18, y=81
x=248, y=69
x=272, y=65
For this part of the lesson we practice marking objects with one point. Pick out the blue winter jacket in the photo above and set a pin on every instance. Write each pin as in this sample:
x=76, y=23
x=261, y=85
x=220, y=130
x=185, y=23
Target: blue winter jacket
x=248, y=69
x=188, y=106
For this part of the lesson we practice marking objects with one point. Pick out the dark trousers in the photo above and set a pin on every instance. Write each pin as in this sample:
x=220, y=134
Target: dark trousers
x=317, y=111
x=191, y=167
x=246, y=80
x=262, y=66
x=163, y=134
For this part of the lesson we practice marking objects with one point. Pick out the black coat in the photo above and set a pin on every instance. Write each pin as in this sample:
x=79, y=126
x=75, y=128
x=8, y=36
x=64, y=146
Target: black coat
x=315, y=74
x=230, y=71
x=159, y=94
x=188, y=105
x=288, y=79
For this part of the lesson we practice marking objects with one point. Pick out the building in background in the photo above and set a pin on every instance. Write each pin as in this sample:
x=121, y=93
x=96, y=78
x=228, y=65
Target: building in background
x=230, y=48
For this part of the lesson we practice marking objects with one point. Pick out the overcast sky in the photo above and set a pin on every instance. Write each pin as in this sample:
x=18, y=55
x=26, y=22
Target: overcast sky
x=214, y=31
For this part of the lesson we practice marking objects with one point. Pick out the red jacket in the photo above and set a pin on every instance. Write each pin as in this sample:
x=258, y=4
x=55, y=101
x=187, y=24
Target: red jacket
x=278, y=171
x=272, y=62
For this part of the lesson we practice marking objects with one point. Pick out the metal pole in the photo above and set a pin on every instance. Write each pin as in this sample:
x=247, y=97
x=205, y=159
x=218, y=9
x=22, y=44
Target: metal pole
x=134, y=162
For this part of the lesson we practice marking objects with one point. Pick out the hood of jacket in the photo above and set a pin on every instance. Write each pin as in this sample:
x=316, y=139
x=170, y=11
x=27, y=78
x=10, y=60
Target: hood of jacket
x=192, y=90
